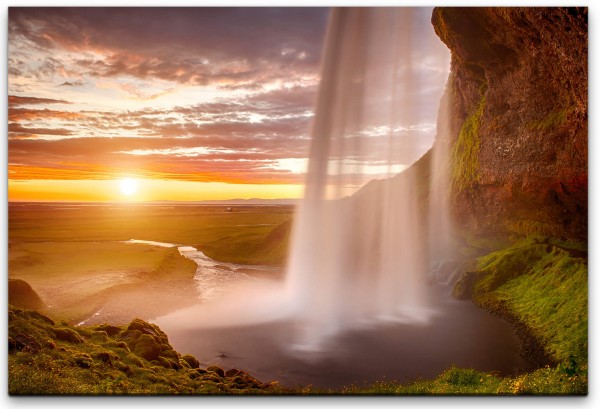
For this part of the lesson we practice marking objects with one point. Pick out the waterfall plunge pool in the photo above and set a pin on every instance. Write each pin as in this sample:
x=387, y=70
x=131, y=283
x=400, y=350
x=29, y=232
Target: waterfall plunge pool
x=456, y=333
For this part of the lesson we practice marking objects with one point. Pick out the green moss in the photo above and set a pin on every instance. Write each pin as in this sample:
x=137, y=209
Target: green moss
x=465, y=152
x=544, y=283
x=100, y=366
x=553, y=119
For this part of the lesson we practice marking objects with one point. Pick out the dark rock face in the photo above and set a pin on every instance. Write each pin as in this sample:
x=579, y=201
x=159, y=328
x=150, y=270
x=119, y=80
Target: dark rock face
x=518, y=98
x=465, y=286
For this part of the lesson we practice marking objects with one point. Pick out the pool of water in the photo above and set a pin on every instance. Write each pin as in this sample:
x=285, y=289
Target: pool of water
x=455, y=333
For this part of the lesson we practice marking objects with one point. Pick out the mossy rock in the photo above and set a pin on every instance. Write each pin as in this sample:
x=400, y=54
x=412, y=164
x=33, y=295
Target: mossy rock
x=101, y=335
x=83, y=360
x=170, y=354
x=146, y=347
x=24, y=342
x=107, y=357
x=465, y=285
x=168, y=363
x=67, y=335
x=123, y=367
x=191, y=361
x=212, y=377
x=219, y=371
x=111, y=330
x=122, y=345
x=131, y=335
x=184, y=365
x=150, y=329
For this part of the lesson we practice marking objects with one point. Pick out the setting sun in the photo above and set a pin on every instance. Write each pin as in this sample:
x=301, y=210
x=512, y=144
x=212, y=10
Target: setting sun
x=128, y=186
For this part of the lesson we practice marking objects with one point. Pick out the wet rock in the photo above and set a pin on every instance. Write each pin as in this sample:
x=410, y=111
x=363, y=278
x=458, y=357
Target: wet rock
x=67, y=335
x=465, y=286
x=191, y=361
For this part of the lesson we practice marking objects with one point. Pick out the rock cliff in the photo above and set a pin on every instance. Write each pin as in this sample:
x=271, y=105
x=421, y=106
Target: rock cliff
x=518, y=103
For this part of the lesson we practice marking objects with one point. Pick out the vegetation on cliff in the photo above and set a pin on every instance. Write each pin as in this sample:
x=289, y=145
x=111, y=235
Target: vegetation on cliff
x=465, y=152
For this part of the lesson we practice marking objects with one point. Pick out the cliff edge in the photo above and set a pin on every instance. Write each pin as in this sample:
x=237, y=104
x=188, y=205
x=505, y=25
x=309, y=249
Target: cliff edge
x=517, y=124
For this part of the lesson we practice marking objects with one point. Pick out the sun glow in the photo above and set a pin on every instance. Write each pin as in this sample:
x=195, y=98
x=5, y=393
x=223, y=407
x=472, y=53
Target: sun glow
x=128, y=186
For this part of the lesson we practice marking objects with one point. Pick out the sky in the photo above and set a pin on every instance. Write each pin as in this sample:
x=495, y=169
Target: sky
x=192, y=103
x=196, y=103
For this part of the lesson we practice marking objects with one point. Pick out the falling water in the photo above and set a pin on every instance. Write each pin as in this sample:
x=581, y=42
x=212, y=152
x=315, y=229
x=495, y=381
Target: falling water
x=360, y=246
x=358, y=303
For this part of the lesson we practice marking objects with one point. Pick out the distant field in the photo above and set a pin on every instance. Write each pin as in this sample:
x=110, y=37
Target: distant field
x=222, y=234
x=73, y=256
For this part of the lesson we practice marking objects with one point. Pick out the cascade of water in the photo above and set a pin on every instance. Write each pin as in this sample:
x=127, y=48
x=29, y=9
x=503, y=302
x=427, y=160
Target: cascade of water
x=359, y=244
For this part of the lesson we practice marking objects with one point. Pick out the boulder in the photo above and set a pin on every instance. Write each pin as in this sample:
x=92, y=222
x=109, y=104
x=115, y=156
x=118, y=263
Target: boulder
x=24, y=342
x=146, y=347
x=219, y=371
x=465, y=286
x=67, y=335
x=110, y=330
x=192, y=361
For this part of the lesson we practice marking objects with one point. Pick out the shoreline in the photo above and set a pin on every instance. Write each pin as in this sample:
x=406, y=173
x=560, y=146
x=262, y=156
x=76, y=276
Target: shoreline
x=531, y=348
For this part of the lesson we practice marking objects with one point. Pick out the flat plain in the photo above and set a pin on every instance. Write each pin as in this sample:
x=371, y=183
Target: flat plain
x=76, y=257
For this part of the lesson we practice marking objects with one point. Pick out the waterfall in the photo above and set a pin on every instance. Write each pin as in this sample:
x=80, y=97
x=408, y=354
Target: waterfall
x=360, y=246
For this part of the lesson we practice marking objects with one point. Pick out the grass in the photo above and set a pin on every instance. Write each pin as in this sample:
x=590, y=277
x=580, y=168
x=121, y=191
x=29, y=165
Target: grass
x=461, y=381
x=544, y=282
x=211, y=228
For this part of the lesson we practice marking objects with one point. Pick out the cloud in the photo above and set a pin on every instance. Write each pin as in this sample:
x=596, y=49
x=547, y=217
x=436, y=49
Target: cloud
x=226, y=47
x=72, y=84
x=15, y=100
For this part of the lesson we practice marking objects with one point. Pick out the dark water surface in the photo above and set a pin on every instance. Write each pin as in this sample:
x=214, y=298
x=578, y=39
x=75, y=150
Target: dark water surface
x=458, y=334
